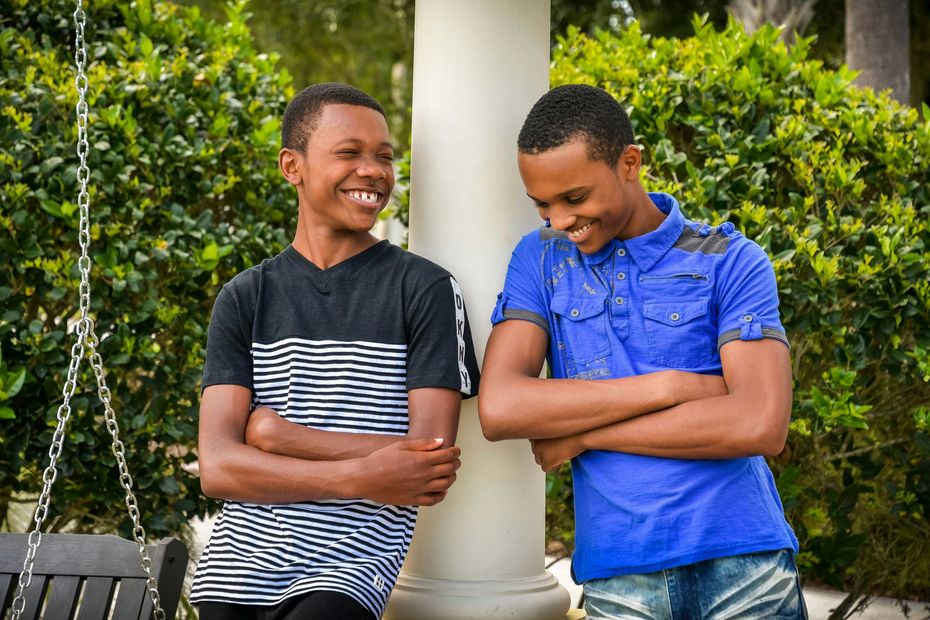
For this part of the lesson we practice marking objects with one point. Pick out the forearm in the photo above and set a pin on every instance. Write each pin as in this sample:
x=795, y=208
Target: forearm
x=270, y=433
x=751, y=419
x=433, y=414
x=728, y=426
x=515, y=407
x=243, y=473
x=411, y=472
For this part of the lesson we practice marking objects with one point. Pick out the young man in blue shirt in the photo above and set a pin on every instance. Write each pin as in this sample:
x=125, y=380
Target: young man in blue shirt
x=671, y=378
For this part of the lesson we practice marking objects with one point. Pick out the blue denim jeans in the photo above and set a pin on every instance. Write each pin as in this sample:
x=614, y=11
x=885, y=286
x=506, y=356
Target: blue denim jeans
x=755, y=586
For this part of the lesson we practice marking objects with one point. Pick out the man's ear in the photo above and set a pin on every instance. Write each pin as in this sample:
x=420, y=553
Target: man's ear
x=289, y=163
x=631, y=160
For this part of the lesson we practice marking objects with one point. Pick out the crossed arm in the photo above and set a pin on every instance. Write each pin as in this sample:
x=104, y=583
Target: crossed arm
x=670, y=413
x=260, y=457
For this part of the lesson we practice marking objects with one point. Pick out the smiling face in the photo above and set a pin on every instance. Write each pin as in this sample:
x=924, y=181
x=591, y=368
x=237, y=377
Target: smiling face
x=345, y=175
x=590, y=200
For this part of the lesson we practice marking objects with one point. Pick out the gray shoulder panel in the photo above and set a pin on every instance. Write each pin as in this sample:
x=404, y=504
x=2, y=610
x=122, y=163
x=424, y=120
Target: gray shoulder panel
x=714, y=243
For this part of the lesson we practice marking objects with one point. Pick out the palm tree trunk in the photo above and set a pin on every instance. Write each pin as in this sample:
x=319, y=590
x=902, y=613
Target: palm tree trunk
x=878, y=45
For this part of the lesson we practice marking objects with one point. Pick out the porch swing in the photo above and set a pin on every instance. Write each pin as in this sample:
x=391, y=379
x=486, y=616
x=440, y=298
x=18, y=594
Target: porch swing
x=83, y=576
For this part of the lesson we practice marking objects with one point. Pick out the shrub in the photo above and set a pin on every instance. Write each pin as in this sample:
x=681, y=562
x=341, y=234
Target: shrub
x=834, y=182
x=183, y=132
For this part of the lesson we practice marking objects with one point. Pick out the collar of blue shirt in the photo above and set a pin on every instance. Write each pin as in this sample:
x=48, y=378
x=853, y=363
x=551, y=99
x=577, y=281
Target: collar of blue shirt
x=649, y=248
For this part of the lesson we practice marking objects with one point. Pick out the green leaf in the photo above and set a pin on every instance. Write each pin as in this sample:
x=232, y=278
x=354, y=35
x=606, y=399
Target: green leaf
x=14, y=382
x=146, y=47
x=6, y=413
x=211, y=252
x=51, y=206
x=168, y=485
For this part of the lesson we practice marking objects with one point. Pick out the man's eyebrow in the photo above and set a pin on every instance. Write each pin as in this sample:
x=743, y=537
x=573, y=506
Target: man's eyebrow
x=360, y=141
x=567, y=192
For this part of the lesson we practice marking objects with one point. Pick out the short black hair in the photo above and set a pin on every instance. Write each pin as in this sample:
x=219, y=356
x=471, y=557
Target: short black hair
x=577, y=111
x=303, y=112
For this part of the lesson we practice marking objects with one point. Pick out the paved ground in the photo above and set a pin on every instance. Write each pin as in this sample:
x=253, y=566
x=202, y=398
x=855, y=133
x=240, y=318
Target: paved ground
x=819, y=601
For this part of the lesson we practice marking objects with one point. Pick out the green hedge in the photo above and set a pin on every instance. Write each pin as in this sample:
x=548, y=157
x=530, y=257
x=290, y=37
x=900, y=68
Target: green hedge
x=834, y=182
x=184, y=124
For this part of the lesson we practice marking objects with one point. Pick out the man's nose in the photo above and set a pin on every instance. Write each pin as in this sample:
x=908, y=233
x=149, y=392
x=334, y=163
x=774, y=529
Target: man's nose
x=561, y=220
x=371, y=168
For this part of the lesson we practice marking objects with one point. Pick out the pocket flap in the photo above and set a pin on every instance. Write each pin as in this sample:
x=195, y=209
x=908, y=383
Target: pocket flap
x=576, y=308
x=674, y=313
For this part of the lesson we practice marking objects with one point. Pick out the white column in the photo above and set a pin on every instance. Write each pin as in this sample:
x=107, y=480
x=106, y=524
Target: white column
x=479, y=65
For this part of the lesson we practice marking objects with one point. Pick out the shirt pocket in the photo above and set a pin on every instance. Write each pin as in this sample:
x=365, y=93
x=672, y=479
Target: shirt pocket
x=583, y=325
x=679, y=332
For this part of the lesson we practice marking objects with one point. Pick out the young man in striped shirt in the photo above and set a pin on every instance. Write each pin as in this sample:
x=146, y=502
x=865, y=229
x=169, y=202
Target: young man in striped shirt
x=331, y=390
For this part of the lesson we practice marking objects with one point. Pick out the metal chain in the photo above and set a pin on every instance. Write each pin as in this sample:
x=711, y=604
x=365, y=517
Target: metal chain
x=86, y=337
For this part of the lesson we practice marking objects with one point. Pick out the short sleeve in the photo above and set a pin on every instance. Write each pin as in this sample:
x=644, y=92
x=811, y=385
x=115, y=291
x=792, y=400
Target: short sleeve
x=747, y=296
x=229, y=355
x=523, y=295
x=440, y=351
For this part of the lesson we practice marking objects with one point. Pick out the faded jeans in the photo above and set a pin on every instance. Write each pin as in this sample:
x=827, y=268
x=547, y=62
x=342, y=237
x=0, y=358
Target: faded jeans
x=754, y=586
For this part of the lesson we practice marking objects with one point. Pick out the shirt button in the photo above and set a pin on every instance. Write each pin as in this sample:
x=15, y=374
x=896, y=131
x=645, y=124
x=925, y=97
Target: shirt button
x=574, y=312
x=748, y=318
x=621, y=252
x=619, y=300
x=621, y=276
x=674, y=316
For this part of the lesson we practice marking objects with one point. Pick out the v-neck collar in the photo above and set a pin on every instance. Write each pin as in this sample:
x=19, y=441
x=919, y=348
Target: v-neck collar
x=324, y=279
x=354, y=261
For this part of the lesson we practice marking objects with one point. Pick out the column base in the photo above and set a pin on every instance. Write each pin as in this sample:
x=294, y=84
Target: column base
x=424, y=598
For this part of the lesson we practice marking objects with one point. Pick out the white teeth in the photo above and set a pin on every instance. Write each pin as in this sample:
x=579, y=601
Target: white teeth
x=577, y=233
x=371, y=197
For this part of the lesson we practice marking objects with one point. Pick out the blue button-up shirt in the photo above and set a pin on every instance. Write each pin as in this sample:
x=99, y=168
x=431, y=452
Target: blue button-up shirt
x=668, y=299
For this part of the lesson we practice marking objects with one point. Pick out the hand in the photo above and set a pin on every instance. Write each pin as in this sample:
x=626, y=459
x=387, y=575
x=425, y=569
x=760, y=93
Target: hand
x=550, y=453
x=417, y=472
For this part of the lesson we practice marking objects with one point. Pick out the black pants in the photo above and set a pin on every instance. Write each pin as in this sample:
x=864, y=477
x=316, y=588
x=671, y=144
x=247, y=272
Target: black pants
x=317, y=605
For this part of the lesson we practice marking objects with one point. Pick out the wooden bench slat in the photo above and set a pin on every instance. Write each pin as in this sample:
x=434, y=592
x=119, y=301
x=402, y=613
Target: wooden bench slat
x=62, y=600
x=35, y=595
x=7, y=588
x=129, y=601
x=95, y=603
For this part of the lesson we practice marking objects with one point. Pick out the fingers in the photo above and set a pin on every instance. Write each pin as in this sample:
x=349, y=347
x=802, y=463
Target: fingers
x=437, y=457
x=431, y=449
x=542, y=459
x=537, y=451
x=444, y=470
x=430, y=499
x=420, y=445
x=438, y=485
x=433, y=492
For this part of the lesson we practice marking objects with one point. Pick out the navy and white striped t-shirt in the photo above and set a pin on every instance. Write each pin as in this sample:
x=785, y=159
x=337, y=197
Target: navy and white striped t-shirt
x=334, y=349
